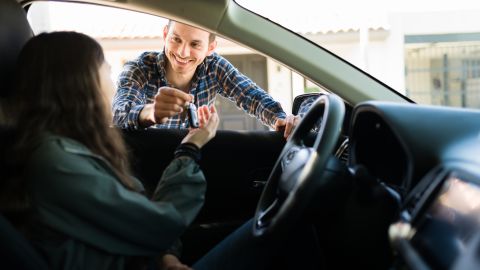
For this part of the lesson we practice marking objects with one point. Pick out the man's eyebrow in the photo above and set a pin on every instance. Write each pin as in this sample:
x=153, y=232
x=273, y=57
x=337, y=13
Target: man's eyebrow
x=195, y=40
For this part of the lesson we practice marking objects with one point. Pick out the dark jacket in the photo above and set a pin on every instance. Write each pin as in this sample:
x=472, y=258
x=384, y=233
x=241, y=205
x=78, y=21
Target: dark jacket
x=84, y=218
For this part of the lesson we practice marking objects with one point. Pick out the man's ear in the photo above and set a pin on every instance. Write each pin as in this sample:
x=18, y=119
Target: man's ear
x=211, y=47
x=165, y=32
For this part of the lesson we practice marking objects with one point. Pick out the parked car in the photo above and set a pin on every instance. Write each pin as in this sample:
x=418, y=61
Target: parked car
x=385, y=182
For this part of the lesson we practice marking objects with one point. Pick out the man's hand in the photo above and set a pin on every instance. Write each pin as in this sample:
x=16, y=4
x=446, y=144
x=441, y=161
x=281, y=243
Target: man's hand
x=167, y=103
x=287, y=124
x=208, y=124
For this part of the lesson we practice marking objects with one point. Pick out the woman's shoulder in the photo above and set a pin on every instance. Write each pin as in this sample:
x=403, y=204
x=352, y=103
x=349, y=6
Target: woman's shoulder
x=56, y=143
x=53, y=151
x=59, y=160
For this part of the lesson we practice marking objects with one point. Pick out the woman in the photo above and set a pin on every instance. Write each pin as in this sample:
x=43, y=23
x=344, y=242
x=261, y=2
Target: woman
x=71, y=174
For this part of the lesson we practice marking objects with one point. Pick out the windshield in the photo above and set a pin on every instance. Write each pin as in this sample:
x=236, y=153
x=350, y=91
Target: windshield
x=426, y=50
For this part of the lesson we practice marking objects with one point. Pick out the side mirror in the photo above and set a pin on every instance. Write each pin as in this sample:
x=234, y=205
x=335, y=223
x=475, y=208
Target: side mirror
x=302, y=103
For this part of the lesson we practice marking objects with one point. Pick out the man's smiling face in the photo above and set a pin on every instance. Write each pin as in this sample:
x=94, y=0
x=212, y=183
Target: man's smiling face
x=186, y=47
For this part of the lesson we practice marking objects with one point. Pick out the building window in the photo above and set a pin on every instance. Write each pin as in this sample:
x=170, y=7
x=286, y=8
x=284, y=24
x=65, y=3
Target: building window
x=444, y=73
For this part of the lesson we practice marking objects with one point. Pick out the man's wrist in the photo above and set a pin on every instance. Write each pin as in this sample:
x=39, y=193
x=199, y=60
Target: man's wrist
x=144, y=117
x=278, y=117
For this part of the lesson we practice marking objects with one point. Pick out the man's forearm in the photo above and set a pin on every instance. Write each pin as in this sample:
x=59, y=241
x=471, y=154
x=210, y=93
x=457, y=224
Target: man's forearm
x=267, y=109
x=126, y=116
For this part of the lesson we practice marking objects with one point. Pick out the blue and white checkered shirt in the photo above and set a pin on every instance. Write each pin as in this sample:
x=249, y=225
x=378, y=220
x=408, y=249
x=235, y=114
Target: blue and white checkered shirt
x=140, y=79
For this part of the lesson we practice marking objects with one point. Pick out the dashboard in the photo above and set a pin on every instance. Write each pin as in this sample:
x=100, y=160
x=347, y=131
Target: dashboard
x=440, y=223
x=448, y=220
x=430, y=156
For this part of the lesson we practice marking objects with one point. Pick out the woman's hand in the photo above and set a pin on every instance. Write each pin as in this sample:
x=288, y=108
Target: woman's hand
x=170, y=262
x=208, y=124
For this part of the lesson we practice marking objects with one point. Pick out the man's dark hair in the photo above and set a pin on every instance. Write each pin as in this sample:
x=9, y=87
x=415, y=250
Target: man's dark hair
x=211, y=37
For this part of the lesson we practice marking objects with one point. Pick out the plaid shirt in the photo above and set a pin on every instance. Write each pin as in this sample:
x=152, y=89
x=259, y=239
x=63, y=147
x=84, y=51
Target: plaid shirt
x=140, y=79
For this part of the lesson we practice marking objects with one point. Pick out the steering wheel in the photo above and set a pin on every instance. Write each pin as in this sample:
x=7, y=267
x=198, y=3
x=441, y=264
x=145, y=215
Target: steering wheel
x=298, y=170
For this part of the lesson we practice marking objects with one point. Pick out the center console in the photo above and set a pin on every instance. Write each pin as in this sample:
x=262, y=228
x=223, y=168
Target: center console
x=440, y=224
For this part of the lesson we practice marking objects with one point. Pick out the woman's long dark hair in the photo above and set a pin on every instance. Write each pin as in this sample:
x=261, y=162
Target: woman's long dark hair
x=58, y=90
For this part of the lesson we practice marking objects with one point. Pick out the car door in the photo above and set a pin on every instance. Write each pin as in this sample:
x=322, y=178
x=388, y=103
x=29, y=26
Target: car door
x=236, y=165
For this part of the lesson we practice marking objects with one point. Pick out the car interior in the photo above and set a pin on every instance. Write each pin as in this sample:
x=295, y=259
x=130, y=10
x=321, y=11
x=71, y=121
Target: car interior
x=384, y=182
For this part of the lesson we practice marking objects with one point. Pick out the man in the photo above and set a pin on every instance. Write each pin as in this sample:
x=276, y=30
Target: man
x=154, y=89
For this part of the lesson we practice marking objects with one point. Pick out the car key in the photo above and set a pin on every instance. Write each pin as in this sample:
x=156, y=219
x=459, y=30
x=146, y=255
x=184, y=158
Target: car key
x=192, y=115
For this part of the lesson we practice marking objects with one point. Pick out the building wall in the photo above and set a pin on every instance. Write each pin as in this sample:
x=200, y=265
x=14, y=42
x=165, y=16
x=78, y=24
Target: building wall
x=444, y=73
x=381, y=54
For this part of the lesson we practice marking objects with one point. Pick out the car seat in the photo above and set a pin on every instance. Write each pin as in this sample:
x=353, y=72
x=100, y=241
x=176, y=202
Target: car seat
x=15, y=250
x=14, y=33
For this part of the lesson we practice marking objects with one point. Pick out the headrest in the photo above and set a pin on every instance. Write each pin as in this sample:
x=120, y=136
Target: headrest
x=14, y=33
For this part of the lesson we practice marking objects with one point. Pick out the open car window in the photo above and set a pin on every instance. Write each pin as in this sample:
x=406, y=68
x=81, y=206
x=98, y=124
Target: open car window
x=427, y=51
x=126, y=34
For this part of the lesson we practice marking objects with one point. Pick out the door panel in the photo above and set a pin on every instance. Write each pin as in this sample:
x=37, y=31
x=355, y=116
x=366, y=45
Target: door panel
x=233, y=162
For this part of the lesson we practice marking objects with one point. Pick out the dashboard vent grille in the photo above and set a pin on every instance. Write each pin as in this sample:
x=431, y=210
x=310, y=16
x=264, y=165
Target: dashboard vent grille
x=342, y=152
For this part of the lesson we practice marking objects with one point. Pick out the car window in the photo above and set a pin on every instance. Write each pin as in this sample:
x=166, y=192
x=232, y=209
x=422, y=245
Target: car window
x=126, y=34
x=428, y=51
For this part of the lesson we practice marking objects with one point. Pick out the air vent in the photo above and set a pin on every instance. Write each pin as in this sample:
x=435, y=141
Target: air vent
x=342, y=152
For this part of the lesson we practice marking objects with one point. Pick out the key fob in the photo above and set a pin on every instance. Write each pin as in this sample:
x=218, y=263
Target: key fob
x=192, y=115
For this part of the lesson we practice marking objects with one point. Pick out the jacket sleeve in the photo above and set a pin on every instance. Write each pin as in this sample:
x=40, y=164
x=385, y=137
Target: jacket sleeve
x=78, y=196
